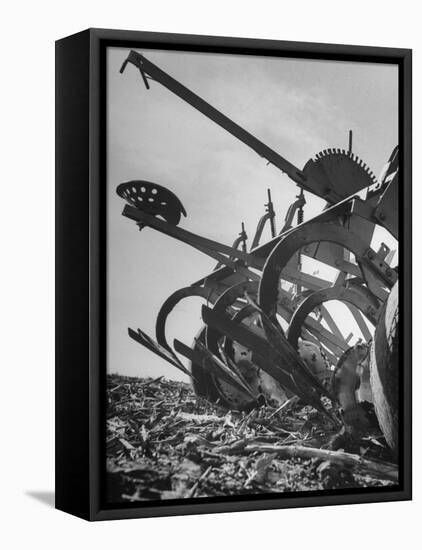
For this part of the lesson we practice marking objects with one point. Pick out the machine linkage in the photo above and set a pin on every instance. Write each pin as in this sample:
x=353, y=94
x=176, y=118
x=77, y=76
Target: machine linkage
x=268, y=331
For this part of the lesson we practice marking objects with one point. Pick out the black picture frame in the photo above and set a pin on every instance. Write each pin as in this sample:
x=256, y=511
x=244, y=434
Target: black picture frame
x=81, y=274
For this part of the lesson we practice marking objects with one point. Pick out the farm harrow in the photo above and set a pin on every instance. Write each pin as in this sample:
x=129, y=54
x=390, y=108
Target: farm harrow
x=267, y=334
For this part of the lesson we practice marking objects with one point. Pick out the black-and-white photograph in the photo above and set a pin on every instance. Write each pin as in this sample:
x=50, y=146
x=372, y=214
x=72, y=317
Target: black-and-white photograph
x=252, y=275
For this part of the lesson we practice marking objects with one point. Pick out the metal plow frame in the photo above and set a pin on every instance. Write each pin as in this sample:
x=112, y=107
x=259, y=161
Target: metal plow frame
x=251, y=283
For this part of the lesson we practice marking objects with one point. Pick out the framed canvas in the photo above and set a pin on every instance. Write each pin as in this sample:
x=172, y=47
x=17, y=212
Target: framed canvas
x=233, y=274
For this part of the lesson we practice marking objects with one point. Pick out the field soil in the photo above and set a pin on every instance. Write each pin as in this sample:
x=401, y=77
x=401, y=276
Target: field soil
x=163, y=442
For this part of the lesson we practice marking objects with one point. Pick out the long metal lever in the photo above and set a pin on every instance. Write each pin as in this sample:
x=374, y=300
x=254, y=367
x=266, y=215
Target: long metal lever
x=148, y=68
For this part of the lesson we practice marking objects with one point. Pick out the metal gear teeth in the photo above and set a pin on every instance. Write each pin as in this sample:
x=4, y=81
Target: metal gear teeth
x=352, y=156
x=369, y=172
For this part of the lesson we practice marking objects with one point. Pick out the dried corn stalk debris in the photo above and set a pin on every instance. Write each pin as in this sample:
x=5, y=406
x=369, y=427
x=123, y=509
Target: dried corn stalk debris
x=163, y=442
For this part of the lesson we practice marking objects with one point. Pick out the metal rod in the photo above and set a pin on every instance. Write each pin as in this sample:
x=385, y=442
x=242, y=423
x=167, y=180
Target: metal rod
x=209, y=247
x=243, y=237
x=219, y=118
x=270, y=210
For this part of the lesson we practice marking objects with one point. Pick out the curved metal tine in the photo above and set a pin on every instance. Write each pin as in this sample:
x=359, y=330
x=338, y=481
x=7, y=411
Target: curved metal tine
x=210, y=295
x=306, y=234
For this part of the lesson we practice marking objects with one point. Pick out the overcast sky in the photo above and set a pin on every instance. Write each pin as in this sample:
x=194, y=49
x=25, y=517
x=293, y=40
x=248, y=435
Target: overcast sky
x=297, y=107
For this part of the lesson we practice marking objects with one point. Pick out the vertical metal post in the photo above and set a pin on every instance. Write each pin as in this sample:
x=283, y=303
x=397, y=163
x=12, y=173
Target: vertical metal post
x=243, y=237
x=350, y=141
x=271, y=213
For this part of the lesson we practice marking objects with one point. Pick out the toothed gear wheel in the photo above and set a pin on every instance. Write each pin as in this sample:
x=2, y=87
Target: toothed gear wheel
x=338, y=174
x=153, y=199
